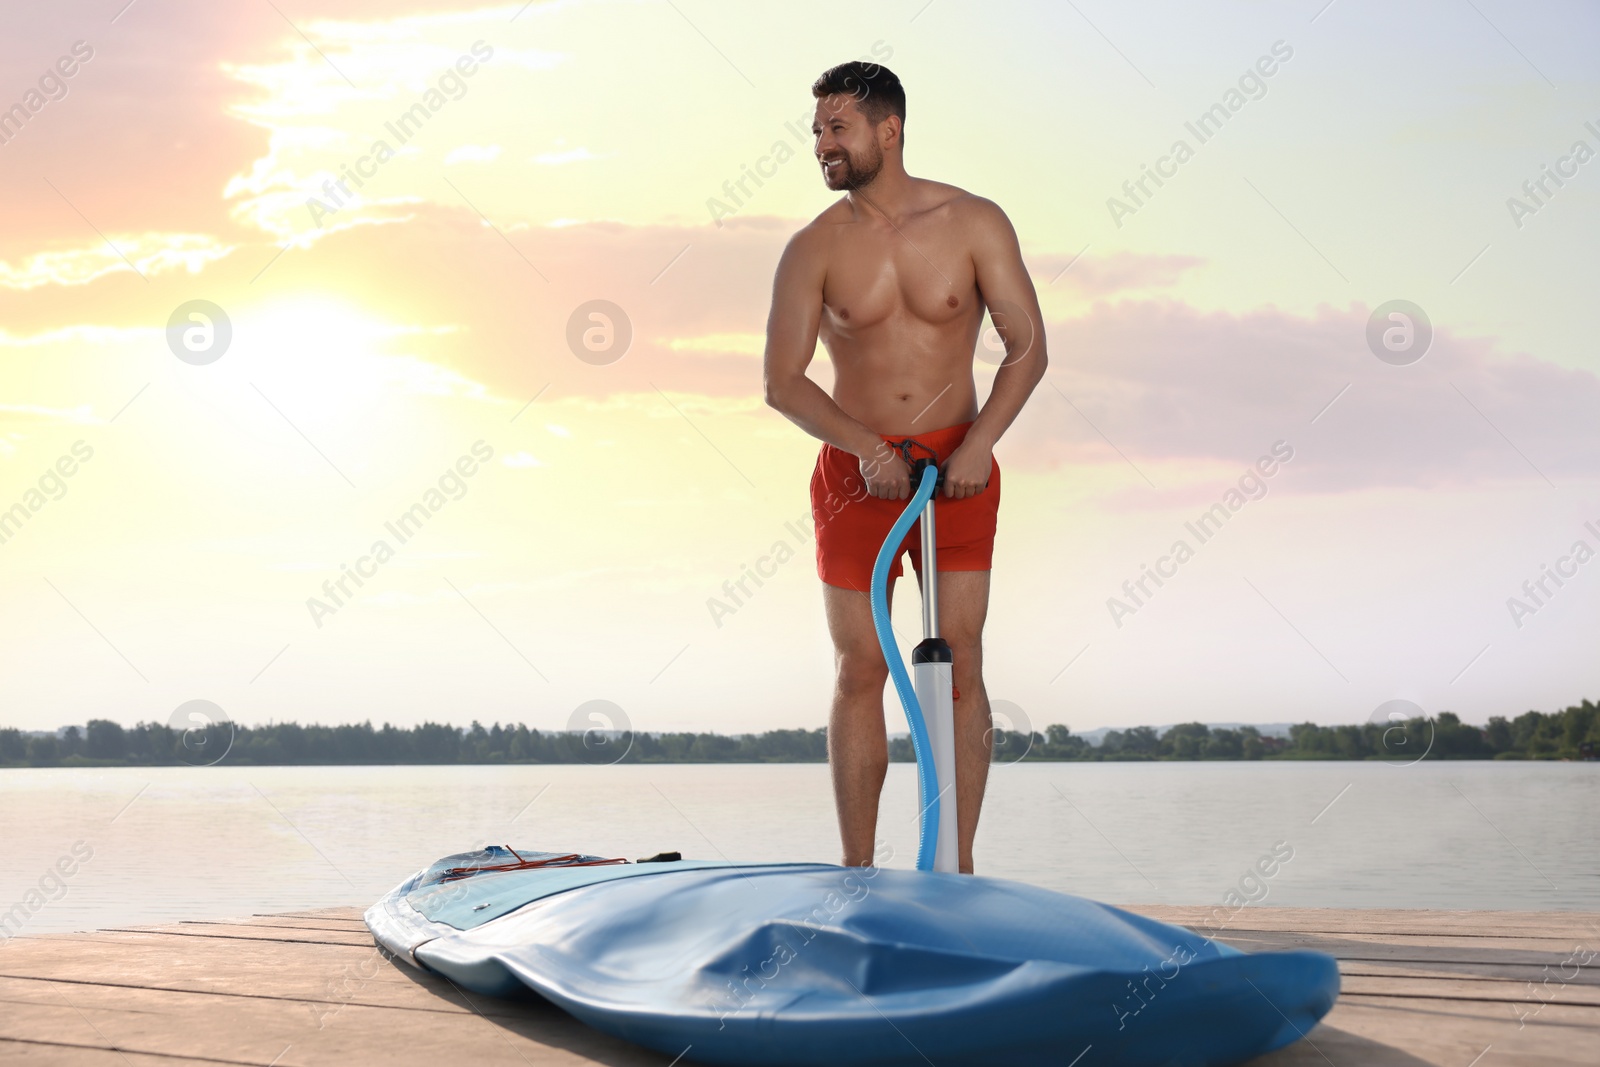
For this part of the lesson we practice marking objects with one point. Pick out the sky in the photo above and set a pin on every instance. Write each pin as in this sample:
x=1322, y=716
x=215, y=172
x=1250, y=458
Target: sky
x=251, y=315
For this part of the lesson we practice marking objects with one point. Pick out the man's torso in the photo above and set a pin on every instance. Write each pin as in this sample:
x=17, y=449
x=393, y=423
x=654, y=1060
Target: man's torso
x=901, y=311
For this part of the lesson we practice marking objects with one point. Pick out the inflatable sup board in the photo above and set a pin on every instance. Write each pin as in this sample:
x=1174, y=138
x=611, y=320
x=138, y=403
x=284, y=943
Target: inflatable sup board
x=809, y=963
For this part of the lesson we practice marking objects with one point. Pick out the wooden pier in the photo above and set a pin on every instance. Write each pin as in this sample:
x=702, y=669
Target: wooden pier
x=1451, y=989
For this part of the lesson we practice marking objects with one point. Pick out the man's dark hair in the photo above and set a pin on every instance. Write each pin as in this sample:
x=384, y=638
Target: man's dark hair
x=878, y=93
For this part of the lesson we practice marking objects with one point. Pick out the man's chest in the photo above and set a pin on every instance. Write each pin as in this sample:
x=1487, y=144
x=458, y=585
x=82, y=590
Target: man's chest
x=873, y=275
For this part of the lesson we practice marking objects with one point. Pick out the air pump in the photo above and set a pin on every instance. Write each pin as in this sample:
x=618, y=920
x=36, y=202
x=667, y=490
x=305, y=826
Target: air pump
x=929, y=702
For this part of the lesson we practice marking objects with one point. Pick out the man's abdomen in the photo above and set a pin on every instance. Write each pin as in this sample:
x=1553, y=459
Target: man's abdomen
x=905, y=400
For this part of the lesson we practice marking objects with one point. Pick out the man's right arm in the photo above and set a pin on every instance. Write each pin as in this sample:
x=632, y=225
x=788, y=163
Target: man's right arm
x=791, y=339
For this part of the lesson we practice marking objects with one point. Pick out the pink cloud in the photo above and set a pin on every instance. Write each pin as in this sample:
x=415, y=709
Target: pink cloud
x=1105, y=275
x=1164, y=381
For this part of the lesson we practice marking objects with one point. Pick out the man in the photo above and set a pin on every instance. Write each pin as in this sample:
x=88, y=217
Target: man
x=894, y=278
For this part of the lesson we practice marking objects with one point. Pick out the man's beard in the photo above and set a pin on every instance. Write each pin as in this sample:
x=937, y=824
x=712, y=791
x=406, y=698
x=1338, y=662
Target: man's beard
x=852, y=177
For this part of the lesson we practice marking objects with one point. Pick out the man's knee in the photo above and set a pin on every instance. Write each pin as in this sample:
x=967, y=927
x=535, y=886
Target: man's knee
x=861, y=670
x=966, y=654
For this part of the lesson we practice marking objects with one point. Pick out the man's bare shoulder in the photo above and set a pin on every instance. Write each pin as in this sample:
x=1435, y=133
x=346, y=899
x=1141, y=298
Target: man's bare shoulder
x=939, y=194
x=965, y=209
x=821, y=229
x=837, y=213
x=978, y=212
x=811, y=241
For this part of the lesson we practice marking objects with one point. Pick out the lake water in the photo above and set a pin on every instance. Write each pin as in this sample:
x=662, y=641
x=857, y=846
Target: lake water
x=170, y=843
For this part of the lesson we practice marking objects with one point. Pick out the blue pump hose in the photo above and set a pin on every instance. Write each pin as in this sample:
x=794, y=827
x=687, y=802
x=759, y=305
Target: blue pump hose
x=927, y=777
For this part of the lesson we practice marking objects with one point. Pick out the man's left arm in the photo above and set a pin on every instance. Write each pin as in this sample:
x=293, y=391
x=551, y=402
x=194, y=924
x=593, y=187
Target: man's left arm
x=1014, y=308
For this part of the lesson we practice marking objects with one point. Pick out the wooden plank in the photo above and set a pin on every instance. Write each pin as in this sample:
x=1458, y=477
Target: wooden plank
x=266, y=1030
x=1555, y=948
x=353, y=914
x=1353, y=918
x=29, y=1053
x=288, y=923
x=1549, y=942
x=157, y=994
x=1560, y=925
x=1521, y=975
x=253, y=932
x=1488, y=992
x=338, y=917
x=1345, y=947
x=243, y=969
x=1373, y=1032
x=321, y=995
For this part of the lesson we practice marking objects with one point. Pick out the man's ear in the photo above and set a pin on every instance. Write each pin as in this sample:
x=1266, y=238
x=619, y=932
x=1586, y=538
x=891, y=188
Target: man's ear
x=892, y=129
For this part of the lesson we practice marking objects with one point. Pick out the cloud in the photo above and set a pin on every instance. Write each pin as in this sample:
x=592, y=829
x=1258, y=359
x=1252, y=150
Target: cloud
x=149, y=253
x=83, y=414
x=1105, y=275
x=1166, y=383
x=472, y=153
x=739, y=344
x=570, y=155
x=94, y=335
x=324, y=129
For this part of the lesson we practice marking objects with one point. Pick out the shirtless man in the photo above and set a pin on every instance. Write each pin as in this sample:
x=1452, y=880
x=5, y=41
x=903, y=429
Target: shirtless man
x=894, y=278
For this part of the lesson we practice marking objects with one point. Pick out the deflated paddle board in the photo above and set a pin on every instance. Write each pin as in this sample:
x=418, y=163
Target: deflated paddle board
x=805, y=963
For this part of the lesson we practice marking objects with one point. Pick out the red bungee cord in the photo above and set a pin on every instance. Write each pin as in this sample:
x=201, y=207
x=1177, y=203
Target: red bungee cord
x=571, y=859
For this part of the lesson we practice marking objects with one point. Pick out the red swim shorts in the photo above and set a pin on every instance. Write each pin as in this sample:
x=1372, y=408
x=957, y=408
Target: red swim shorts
x=851, y=525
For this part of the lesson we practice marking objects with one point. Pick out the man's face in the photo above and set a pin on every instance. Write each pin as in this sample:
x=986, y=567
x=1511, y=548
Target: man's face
x=846, y=143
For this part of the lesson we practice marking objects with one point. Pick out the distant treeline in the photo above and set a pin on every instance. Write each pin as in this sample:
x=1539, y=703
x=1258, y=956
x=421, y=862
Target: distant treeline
x=1570, y=734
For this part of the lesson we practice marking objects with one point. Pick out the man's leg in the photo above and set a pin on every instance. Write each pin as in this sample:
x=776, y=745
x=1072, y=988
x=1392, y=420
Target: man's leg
x=858, y=749
x=963, y=607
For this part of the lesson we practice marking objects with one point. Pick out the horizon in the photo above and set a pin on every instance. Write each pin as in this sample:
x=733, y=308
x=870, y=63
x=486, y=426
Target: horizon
x=1399, y=740
x=1001, y=725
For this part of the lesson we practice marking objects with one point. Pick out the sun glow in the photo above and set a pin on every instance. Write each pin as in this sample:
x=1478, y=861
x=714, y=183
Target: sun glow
x=321, y=345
